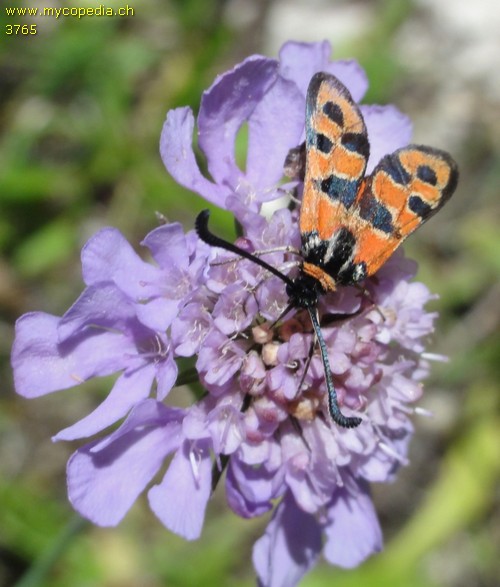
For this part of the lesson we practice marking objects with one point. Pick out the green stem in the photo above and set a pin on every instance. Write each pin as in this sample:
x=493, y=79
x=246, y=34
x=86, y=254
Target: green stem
x=39, y=571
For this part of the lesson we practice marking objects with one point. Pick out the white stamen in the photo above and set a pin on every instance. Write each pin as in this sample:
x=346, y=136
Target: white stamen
x=193, y=459
x=392, y=453
x=423, y=412
x=435, y=357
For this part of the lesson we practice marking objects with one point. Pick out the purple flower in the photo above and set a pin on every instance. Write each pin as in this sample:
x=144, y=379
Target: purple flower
x=262, y=420
x=264, y=93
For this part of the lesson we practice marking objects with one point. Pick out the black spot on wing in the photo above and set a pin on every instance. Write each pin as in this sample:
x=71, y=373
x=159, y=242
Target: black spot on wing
x=340, y=189
x=391, y=165
x=375, y=213
x=323, y=143
x=417, y=205
x=427, y=174
x=356, y=142
x=334, y=113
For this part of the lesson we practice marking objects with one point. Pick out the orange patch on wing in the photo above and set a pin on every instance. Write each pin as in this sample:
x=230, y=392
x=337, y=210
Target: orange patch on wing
x=374, y=214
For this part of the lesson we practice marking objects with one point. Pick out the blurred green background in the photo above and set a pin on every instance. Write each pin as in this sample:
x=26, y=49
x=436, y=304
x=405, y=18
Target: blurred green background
x=82, y=106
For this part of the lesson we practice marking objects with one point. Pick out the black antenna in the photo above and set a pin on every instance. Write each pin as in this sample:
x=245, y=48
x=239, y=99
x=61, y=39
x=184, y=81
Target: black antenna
x=201, y=226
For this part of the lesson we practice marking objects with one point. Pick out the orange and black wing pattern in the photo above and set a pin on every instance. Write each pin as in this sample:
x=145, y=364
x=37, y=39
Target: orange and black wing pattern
x=351, y=224
x=405, y=189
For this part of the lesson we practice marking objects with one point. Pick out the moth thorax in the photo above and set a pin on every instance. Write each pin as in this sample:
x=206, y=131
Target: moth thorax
x=325, y=281
x=304, y=291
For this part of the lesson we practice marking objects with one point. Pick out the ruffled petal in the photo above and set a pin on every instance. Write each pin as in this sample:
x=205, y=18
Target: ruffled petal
x=300, y=61
x=225, y=107
x=42, y=364
x=189, y=329
x=269, y=140
x=108, y=253
x=168, y=246
x=234, y=310
x=99, y=308
x=176, y=149
x=108, y=257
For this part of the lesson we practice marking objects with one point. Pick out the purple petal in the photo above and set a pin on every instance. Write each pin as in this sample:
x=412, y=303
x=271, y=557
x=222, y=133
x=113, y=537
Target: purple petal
x=226, y=429
x=307, y=469
x=354, y=531
x=219, y=358
x=250, y=489
x=176, y=148
x=107, y=254
x=289, y=548
x=99, y=307
x=266, y=451
x=158, y=313
x=388, y=130
x=242, y=506
x=281, y=383
x=225, y=107
x=269, y=140
x=181, y=498
x=272, y=298
x=166, y=375
x=168, y=246
x=253, y=222
x=113, y=306
x=234, y=310
x=128, y=390
x=42, y=365
x=104, y=479
x=300, y=61
x=221, y=421
x=385, y=461
x=147, y=414
x=352, y=75
x=189, y=329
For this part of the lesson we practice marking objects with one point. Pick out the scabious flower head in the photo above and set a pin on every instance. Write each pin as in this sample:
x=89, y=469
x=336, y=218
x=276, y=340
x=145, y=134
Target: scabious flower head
x=262, y=420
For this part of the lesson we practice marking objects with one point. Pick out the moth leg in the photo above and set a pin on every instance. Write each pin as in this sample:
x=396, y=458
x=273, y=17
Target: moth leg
x=281, y=249
x=300, y=432
x=307, y=365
